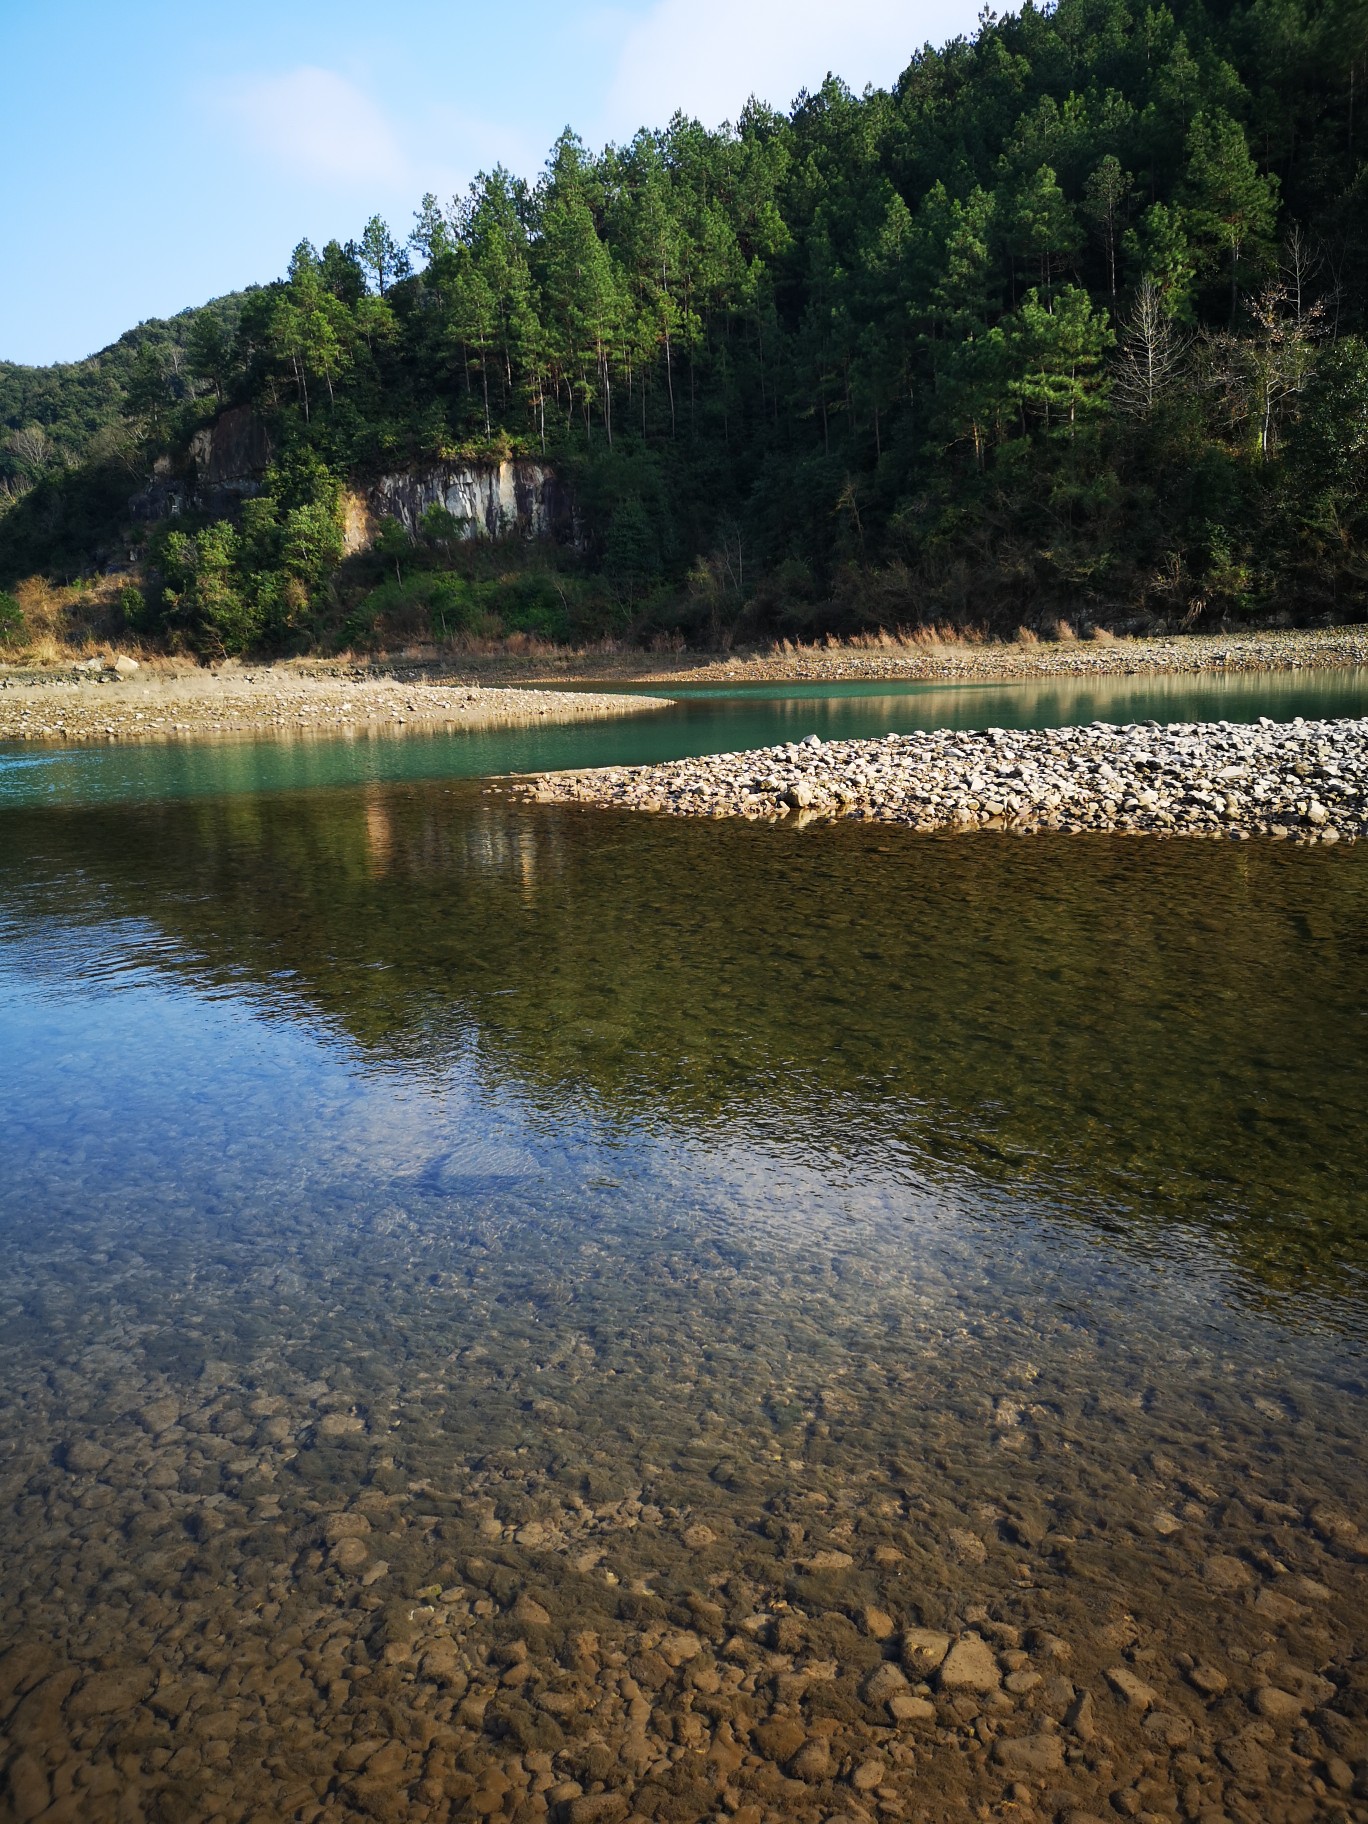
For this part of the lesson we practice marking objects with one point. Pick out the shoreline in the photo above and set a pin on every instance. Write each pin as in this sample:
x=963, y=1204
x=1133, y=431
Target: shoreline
x=1292, y=649
x=1307, y=781
x=102, y=700
x=930, y=658
x=270, y=701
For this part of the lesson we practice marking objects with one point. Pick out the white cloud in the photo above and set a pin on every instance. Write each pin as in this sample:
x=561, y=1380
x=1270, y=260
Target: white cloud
x=318, y=125
x=708, y=56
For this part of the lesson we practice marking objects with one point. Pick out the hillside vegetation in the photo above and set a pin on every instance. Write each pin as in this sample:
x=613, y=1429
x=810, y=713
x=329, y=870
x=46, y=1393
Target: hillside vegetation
x=1069, y=323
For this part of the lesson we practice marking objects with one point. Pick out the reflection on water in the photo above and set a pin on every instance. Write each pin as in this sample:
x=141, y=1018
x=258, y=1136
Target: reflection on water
x=515, y=1312
x=706, y=720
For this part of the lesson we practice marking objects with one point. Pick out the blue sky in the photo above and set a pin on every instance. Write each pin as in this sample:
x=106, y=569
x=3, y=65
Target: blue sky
x=157, y=154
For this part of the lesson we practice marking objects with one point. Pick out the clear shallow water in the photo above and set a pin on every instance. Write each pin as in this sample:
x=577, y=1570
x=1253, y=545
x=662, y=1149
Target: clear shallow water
x=497, y=1300
x=700, y=720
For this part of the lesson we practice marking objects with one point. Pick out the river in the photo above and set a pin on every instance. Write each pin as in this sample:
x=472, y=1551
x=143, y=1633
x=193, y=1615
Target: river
x=512, y=1311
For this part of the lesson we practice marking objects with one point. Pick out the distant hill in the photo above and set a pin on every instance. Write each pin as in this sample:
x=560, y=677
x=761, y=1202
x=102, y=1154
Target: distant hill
x=72, y=401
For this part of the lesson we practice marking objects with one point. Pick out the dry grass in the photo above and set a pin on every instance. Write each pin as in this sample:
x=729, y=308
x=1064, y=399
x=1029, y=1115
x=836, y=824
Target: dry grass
x=64, y=625
x=926, y=636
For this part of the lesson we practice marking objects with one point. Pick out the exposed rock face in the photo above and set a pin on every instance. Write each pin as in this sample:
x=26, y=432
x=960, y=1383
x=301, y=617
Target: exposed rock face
x=225, y=463
x=227, y=459
x=164, y=497
x=231, y=454
x=520, y=498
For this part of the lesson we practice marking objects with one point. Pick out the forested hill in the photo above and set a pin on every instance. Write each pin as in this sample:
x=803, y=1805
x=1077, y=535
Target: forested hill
x=71, y=403
x=1070, y=322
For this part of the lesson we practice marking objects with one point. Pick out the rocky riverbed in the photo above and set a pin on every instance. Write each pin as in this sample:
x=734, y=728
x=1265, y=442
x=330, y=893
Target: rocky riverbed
x=236, y=1594
x=1307, y=780
x=135, y=703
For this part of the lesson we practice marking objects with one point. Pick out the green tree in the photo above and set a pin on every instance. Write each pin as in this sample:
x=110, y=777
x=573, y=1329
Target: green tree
x=149, y=396
x=310, y=328
x=1104, y=202
x=1043, y=227
x=340, y=273
x=393, y=545
x=209, y=351
x=1161, y=252
x=439, y=526
x=631, y=553
x=381, y=255
x=311, y=544
x=430, y=236
x=583, y=305
x=205, y=602
x=1232, y=206
x=1055, y=350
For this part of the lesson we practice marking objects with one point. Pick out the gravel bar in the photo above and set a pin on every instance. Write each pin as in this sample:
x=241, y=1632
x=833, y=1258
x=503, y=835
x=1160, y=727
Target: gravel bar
x=135, y=706
x=1300, y=779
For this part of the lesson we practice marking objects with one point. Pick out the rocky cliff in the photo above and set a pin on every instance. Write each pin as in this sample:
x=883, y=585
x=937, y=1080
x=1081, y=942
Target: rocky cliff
x=227, y=459
x=231, y=454
x=222, y=467
x=522, y=498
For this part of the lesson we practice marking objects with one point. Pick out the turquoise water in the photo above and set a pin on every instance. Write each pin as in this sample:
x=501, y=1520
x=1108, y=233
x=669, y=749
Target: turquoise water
x=701, y=720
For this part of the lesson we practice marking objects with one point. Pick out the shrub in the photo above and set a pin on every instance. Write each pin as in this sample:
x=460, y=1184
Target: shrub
x=204, y=595
x=440, y=526
x=453, y=606
x=132, y=605
x=11, y=620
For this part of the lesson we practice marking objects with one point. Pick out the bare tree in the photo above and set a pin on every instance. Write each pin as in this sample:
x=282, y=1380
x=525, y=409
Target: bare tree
x=1300, y=261
x=32, y=445
x=1150, y=353
x=1281, y=356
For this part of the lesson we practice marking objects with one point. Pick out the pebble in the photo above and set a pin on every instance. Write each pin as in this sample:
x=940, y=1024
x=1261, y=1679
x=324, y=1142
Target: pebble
x=1209, y=1680
x=1132, y=1690
x=1043, y=1753
x=923, y=1649
x=1278, y=1706
x=969, y=1666
x=883, y=1682
x=84, y=1457
x=907, y=1707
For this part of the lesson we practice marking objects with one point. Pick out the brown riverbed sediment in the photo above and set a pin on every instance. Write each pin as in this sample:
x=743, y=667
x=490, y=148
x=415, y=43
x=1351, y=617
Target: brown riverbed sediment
x=1295, y=779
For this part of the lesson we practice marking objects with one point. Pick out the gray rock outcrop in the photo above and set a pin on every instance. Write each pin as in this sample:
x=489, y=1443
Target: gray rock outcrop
x=519, y=498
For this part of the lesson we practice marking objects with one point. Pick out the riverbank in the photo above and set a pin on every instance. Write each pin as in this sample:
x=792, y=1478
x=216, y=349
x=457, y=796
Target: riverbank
x=423, y=690
x=1307, y=780
x=927, y=656
x=143, y=705
x=943, y=658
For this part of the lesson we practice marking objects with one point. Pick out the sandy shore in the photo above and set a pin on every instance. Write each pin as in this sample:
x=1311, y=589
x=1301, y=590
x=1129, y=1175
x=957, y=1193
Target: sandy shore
x=274, y=701
x=1307, y=780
